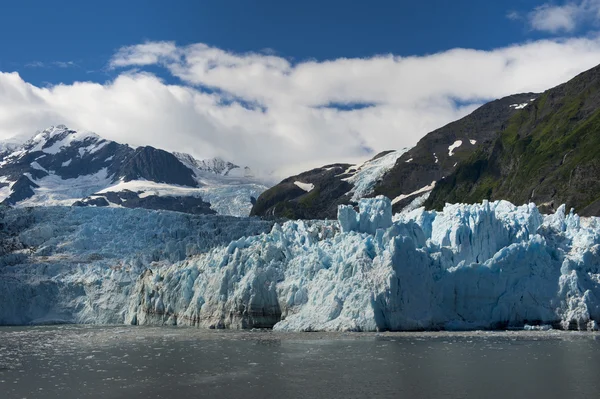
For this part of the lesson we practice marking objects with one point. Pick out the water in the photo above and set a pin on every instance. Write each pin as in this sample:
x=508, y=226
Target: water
x=160, y=362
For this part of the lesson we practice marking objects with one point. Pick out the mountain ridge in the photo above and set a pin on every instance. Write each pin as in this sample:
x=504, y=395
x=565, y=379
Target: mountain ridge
x=548, y=154
x=408, y=177
x=60, y=166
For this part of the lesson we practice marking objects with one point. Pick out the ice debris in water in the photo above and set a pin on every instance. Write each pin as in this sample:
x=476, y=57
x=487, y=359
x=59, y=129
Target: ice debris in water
x=489, y=265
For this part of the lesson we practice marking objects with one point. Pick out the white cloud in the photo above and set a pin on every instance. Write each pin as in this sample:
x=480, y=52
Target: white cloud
x=267, y=112
x=35, y=64
x=563, y=18
x=144, y=54
x=64, y=64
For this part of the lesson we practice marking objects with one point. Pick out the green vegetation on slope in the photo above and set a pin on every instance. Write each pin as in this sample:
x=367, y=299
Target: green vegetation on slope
x=549, y=154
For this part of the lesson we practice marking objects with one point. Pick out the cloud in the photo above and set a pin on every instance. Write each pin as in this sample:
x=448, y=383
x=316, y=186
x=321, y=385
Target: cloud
x=514, y=16
x=144, y=54
x=262, y=110
x=59, y=64
x=563, y=18
x=34, y=64
x=64, y=64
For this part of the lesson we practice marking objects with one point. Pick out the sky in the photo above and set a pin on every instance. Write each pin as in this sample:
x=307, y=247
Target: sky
x=280, y=86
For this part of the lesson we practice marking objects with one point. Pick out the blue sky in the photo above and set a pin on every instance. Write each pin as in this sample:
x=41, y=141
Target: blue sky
x=279, y=85
x=86, y=34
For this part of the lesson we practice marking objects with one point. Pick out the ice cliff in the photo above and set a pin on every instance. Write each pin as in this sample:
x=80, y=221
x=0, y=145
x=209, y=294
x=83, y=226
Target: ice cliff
x=489, y=265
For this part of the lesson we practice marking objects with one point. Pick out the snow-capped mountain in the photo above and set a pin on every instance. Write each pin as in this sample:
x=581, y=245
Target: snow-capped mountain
x=60, y=166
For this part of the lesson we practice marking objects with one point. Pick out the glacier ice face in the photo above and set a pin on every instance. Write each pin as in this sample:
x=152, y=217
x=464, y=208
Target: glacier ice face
x=79, y=264
x=489, y=265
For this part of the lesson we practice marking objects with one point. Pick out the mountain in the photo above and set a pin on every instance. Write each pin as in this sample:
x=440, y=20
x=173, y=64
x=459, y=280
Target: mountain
x=317, y=193
x=406, y=176
x=549, y=153
x=60, y=166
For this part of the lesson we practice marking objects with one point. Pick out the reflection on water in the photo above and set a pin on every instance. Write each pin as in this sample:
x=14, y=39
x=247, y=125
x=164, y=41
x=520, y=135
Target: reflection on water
x=159, y=362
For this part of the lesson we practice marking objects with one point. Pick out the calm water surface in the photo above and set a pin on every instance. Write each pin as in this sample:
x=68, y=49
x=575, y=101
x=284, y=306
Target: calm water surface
x=160, y=362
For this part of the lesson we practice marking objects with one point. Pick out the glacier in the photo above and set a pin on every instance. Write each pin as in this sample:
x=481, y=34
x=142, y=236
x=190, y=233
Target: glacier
x=492, y=265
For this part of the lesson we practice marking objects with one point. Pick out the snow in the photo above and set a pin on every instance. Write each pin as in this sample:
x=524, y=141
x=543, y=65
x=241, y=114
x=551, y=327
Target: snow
x=53, y=190
x=473, y=142
x=37, y=166
x=475, y=266
x=229, y=198
x=454, y=146
x=365, y=176
x=4, y=191
x=416, y=203
x=308, y=187
x=519, y=106
x=70, y=138
x=409, y=160
x=436, y=158
x=227, y=187
x=96, y=147
x=419, y=191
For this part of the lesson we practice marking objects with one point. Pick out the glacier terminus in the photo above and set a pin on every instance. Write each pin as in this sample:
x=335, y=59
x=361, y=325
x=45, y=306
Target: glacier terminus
x=491, y=265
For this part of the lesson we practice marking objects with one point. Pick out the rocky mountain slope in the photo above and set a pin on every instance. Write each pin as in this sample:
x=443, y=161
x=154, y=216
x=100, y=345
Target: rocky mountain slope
x=60, y=166
x=406, y=176
x=549, y=153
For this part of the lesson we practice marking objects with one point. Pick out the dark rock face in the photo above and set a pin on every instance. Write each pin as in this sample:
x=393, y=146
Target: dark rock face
x=431, y=159
x=288, y=200
x=549, y=153
x=22, y=189
x=130, y=199
x=96, y=201
x=157, y=165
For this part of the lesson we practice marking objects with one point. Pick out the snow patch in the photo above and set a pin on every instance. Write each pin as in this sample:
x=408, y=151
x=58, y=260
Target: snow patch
x=454, y=146
x=473, y=142
x=519, y=106
x=419, y=191
x=308, y=187
x=53, y=190
x=37, y=166
x=366, y=175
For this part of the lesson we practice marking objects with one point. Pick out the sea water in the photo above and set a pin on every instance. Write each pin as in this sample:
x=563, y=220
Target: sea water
x=159, y=362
